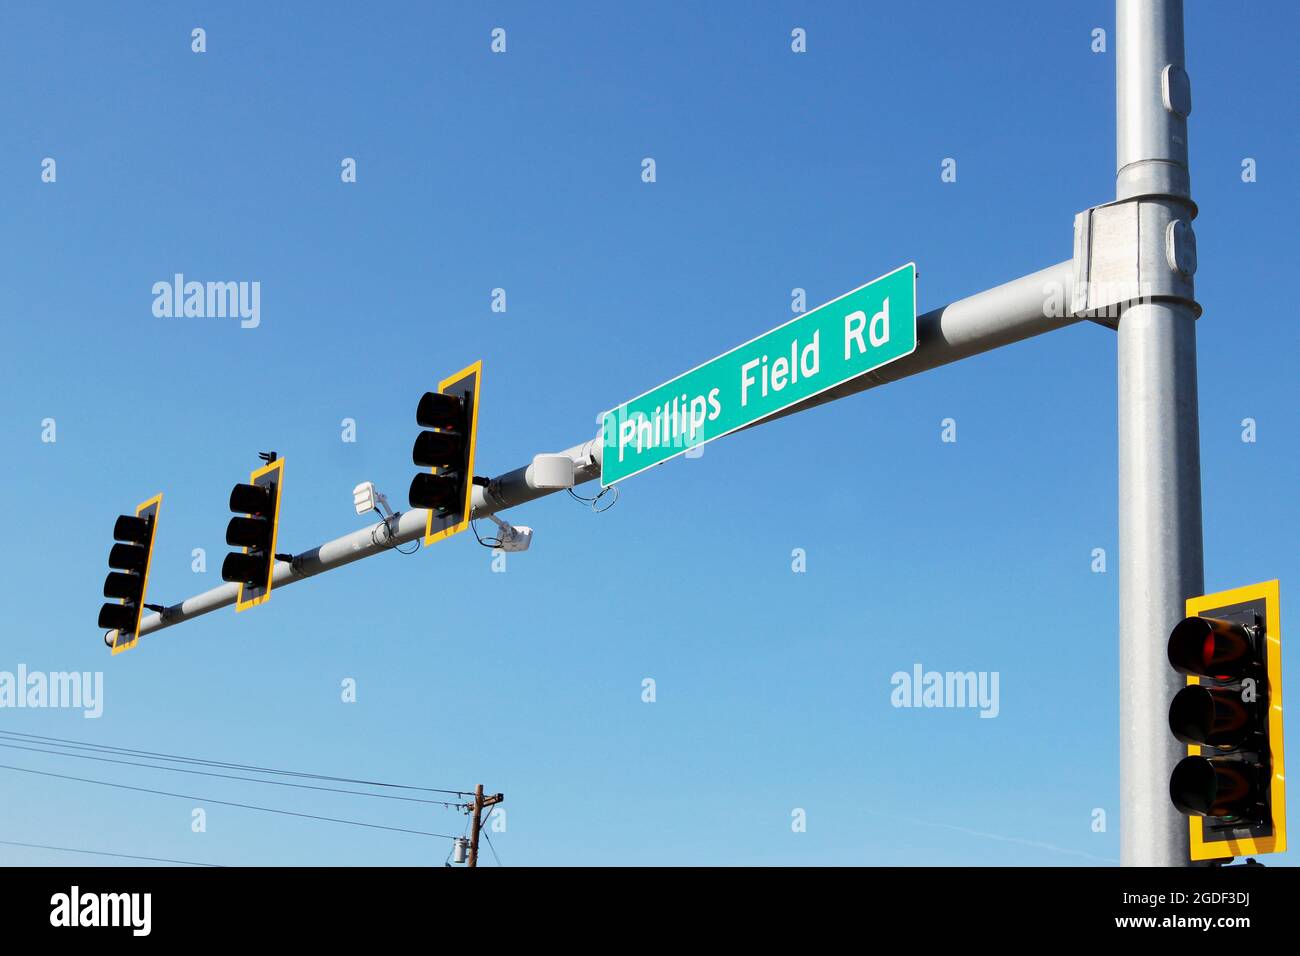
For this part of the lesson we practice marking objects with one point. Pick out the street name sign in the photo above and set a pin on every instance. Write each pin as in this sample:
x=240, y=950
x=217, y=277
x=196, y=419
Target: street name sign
x=862, y=330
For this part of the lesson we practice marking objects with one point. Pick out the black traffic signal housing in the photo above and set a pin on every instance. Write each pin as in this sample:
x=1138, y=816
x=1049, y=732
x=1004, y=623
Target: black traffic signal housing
x=253, y=529
x=447, y=450
x=129, y=558
x=1231, y=784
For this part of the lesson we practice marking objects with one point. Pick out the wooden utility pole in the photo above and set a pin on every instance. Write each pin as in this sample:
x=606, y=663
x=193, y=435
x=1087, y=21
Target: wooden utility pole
x=479, y=803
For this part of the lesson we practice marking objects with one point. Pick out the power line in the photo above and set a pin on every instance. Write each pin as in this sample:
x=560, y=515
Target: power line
x=492, y=848
x=228, y=803
x=124, y=856
x=227, y=776
x=82, y=744
x=488, y=836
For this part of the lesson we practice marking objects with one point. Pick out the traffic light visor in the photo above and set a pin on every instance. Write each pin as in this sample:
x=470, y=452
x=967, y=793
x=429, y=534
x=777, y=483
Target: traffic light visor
x=1213, y=787
x=438, y=449
x=244, y=568
x=435, y=492
x=117, y=617
x=250, y=499
x=1212, y=716
x=437, y=410
x=127, y=587
x=247, y=532
x=1207, y=647
x=132, y=529
x=129, y=557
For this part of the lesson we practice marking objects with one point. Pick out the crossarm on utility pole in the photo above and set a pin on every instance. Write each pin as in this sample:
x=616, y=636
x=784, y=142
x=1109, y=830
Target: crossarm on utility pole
x=1007, y=313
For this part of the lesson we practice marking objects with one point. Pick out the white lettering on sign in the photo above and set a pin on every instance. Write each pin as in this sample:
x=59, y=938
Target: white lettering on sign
x=783, y=371
x=877, y=332
x=764, y=376
x=880, y=325
x=676, y=423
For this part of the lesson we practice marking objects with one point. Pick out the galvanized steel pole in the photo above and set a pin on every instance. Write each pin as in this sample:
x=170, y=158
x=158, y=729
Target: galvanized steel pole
x=1160, y=557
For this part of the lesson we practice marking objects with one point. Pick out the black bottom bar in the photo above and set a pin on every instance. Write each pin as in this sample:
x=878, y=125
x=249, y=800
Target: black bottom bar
x=332, y=905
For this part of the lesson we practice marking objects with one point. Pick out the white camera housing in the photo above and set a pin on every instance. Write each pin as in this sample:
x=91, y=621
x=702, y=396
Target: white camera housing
x=510, y=537
x=366, y=499
x=516, y=539
x=363, y=497
x=551, y=471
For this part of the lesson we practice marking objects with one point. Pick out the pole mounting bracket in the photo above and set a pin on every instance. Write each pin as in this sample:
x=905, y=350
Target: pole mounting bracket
x=1114, y=267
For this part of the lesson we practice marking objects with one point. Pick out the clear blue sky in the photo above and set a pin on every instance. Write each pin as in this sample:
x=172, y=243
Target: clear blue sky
x=522, y=171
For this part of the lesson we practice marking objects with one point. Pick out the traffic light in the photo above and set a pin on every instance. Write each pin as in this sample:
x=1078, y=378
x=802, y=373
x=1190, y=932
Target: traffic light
x=448, y=452
x=257, y=508
x=129, y=559
x=1231, y=783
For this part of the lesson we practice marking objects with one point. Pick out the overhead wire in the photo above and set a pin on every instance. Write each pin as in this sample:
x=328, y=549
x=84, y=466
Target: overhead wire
x=228, y=803
x=82, y=745
x=124, y=856
x=493, y=849
x=488, y=837
x=227, y=776
x=483, y=829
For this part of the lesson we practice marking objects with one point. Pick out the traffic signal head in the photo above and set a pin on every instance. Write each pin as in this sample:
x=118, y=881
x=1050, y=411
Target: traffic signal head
x=128, y=557
x=440, y=410
x=447, y=450
x=1209, y=647
x=1223, y=787
x=257, y=507
x=1214, y=716
x=1230, y=784
x=251, y=499
x=439, y=493
x=132, y=529
x=439, y=449
x=126, y=583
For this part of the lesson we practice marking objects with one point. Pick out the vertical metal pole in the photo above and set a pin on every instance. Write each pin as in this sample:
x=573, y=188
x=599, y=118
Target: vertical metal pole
x=1160, y=558
x=476, y=826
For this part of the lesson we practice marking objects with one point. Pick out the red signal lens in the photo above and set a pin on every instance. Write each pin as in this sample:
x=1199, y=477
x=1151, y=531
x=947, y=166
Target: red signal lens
x=1208, y=647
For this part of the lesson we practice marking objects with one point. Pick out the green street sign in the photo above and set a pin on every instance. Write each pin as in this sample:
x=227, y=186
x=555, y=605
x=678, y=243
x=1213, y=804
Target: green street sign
x=860, y=331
